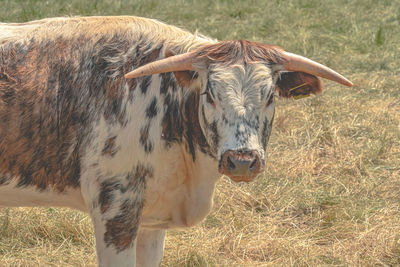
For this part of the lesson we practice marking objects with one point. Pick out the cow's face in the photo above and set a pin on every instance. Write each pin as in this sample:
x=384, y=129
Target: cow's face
x=236, y=106
x=236, y=111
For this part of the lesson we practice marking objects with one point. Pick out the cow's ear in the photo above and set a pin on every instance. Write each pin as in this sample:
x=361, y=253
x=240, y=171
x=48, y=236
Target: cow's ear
x=298, y=85
x=184, y=78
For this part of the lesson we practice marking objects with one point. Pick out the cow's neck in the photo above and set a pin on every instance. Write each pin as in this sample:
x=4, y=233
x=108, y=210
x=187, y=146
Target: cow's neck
x=193, y=134
x=180, y=122
x=180, y=192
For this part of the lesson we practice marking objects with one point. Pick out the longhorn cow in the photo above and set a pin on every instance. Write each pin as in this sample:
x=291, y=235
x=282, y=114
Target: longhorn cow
x=134, y=121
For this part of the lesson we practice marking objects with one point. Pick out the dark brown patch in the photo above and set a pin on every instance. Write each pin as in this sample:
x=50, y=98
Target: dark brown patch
x=132, y=83
x=168, y=83
x=181, y=120
x=5, y=180
x=266, y=132
x=292, y=84
x=40, y=144
x=140, y=172
x=5, y=76
x=144, y=138
x=51, y=91
x=215, y=136
x=152, y=109
x=109, y=148
x=112, y=186
x=150, y=57
x=193, y=133
x=107, y=191
x=172, y=129
x=146, y=81
x=172, y=125
x=121, y=230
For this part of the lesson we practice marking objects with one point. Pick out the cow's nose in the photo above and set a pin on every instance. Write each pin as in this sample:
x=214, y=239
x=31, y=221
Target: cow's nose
x=244, y=164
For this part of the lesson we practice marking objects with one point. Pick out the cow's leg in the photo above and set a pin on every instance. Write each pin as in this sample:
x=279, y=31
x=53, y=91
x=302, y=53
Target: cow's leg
x=115, y=204
x=150, y=247
x=115, y=239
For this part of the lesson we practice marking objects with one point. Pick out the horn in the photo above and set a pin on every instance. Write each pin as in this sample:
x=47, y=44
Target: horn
x=293, y=62
x=174, y=63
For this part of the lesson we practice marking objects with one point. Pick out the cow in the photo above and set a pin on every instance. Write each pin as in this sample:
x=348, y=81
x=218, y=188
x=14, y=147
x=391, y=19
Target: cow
x=134, y=121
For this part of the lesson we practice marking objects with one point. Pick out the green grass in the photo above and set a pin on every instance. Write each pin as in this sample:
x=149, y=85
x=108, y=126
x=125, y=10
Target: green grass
x=330, y=194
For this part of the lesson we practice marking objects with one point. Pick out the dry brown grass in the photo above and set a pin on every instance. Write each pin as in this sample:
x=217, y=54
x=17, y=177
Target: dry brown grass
x=331, y=192
x=45, y=237
x=330, y=195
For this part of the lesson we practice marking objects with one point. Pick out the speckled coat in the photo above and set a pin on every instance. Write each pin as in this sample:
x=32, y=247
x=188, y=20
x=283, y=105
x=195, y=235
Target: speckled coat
x=140, y=155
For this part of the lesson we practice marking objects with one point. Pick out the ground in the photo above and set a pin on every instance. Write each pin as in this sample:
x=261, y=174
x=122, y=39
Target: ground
x=330, y=195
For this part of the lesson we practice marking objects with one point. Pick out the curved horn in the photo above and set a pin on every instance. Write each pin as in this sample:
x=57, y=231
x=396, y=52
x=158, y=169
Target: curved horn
x=293, y=62
x=174, y=63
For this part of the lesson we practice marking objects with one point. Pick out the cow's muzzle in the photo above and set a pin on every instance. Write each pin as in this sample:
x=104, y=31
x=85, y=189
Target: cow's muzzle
x=241, y=166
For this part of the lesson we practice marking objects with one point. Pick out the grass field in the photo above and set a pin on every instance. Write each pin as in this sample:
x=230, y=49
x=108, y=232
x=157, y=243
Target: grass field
x=330, y=195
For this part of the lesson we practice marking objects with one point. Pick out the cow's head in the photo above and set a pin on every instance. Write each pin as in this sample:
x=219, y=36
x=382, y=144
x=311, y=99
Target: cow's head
x=237, y=81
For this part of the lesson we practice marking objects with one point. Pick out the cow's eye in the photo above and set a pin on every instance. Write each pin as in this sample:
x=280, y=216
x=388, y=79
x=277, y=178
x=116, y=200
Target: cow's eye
x=209, y=97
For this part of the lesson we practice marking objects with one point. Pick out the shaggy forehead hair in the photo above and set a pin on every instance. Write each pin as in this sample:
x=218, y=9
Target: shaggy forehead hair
x=235, y=74
x=241, y=87
x=239, y=52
